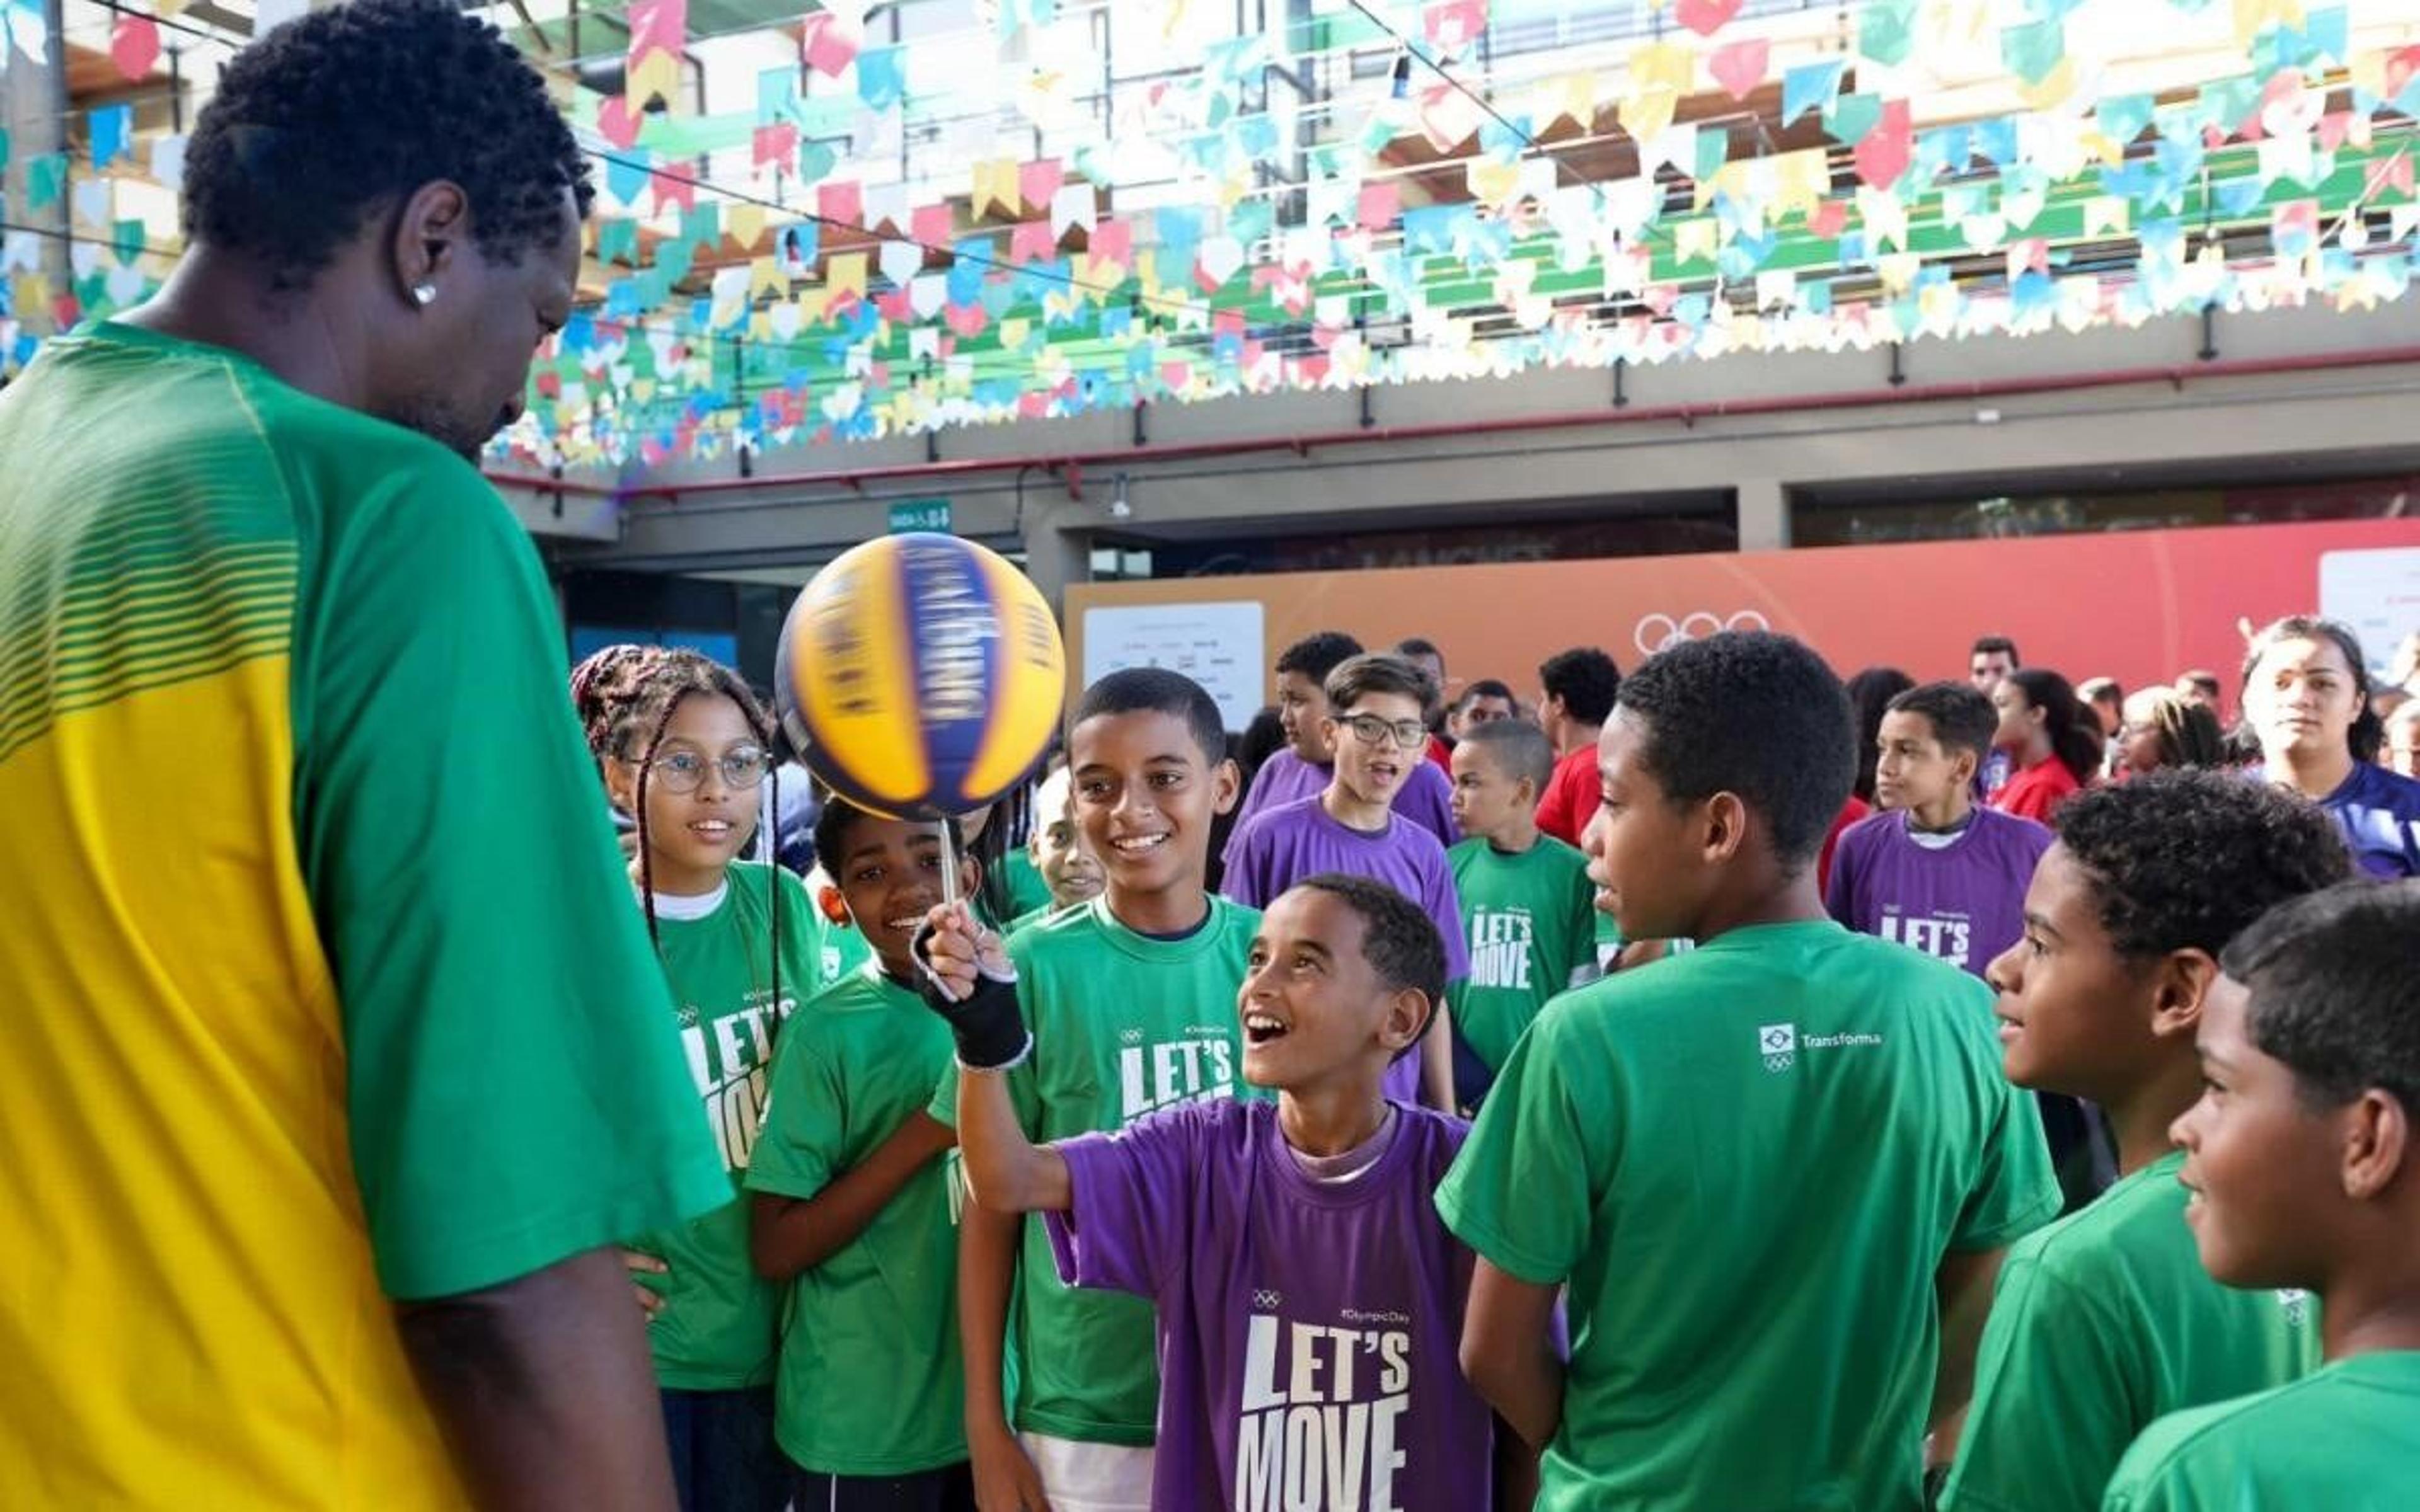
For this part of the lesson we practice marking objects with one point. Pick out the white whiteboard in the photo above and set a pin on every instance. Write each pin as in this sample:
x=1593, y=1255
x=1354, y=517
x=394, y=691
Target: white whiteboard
x=2377, y=593
x=1217, y=645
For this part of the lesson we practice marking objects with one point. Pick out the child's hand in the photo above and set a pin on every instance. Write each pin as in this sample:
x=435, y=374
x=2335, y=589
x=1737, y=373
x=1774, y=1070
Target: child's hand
x=651, y=1301
x=970, y=982
x=951, y=946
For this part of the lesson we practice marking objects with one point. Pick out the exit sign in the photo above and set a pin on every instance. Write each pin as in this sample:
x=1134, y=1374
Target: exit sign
x=921, y=514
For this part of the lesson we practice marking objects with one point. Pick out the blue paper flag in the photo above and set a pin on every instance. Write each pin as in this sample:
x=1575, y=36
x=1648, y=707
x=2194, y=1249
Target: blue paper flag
x=2122, y=117
x=1810, y=86
x=625, y=175
x=112, y=130
x=882, y=76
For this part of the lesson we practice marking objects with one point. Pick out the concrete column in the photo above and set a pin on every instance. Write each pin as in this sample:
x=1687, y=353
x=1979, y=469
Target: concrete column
x=1763, y=514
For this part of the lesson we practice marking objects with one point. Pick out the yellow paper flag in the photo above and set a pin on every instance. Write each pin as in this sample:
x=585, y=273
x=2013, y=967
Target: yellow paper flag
x=1662, y=66
x=996, y=185
x=765, y=276
x=1648, y=113
x=746, y=223
x=844, y=275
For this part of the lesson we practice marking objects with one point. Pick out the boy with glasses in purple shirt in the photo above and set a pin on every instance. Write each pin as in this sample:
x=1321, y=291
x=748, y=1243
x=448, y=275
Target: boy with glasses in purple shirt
x=1376, y=727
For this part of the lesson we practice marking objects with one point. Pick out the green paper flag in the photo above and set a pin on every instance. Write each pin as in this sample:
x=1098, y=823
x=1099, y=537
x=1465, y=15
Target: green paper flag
x=617, y=240
x=2035, y=48
x=46, y=179
x=1851, y=117
x=1714, y=150
x=1886, y=32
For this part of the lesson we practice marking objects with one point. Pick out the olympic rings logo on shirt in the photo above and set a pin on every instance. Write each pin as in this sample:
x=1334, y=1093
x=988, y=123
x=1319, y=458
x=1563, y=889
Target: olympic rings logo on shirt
x=1658, y=632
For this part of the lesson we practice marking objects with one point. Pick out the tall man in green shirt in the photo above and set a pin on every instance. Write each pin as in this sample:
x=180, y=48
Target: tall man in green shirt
x=2302, y=1159
x=337, y=1054
x=1774, y=1172
x=2104, y=1320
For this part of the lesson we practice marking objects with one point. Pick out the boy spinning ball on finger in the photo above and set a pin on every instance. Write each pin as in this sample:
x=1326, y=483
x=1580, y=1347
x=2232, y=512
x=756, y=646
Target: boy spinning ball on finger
x=1307, y=1297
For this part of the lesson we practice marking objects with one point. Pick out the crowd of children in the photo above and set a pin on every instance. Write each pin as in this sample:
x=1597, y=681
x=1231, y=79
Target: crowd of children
x=2038, y=1144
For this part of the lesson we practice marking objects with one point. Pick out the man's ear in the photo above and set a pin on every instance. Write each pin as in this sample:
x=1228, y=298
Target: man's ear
x=431, y=230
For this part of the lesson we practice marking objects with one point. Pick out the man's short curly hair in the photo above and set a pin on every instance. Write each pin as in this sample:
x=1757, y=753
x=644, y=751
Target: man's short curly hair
x=346, y=110
x=1754, y=714
x=2185, y=859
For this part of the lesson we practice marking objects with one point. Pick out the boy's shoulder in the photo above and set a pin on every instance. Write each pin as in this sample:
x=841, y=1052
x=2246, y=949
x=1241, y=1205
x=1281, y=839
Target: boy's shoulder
x=2013, y=830
x=2176, y=1442
x=1275, y=819
x=1088, y=930
x=1668, y=1000
x=1875, y=830
x=2114, y=1235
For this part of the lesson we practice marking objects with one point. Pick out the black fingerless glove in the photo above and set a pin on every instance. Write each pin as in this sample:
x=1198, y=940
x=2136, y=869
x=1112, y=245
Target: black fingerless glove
x=989, y=1026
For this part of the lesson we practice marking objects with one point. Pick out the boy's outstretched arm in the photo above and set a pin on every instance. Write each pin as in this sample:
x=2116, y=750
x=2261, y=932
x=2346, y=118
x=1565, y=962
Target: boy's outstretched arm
x=788, y=1235
x=974, y=987
x=1508, y=1352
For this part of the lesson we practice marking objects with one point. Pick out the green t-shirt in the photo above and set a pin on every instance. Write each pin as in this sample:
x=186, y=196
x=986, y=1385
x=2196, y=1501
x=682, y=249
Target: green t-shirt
x=1026, y=892
x=717, y=1330
x=870, y=1381
x=840, y=947
x=1749, y=1162
x=2103, y=1322
x=1530, y=925
x=304, y=856
x=1123, y=1025
x=2343, y=1439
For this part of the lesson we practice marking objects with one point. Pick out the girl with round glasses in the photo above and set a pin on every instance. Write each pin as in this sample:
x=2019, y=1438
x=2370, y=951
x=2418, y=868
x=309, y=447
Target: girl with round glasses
x=685, y=750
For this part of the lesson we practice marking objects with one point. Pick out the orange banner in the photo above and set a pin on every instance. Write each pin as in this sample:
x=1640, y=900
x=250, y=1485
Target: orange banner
x=2137, y=606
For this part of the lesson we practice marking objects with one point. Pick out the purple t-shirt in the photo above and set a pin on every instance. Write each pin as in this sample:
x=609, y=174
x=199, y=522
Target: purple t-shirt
x=1963, y=902
x=1278, y=847
x=1308, y=1329
x=1426, y=798
x=2379, y=812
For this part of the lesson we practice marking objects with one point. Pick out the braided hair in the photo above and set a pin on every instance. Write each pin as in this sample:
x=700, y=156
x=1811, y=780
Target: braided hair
x=626, y=696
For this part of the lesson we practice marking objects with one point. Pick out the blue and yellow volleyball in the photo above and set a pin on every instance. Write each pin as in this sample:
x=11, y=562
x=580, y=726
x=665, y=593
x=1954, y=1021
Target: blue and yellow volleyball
x=921, y=675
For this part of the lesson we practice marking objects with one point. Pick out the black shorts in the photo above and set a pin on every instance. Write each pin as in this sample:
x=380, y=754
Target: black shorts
x=951, y=1488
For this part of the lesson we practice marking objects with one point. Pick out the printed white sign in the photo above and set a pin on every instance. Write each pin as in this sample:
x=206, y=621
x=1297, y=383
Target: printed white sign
x=1217, y=645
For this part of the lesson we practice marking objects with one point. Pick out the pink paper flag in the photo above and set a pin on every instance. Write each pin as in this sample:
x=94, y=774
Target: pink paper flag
x=1031, y=241
x=774, y=146
x=1380, y=204
x=658, y=26
x=681, y=191
x=1039, y=181
x=841, y=200
x=968, y=320
x=930, y=224
x=1830, y=218
x=617, y=123
x=1889, y=148
x=1739, y=67
x=826, y=43
x=135, y=45
x=1705, y=17
x=1112, y=241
